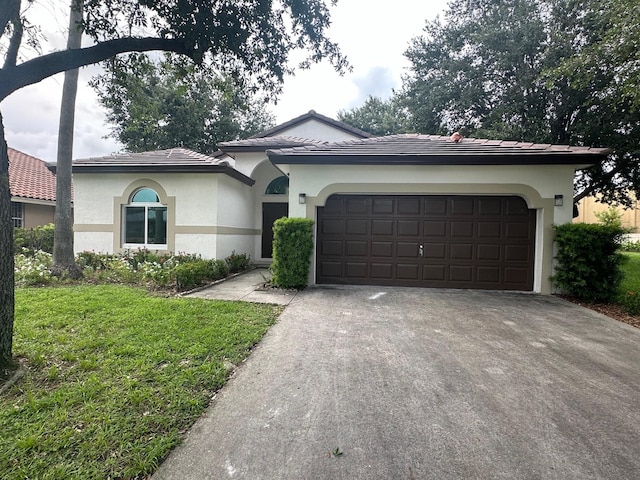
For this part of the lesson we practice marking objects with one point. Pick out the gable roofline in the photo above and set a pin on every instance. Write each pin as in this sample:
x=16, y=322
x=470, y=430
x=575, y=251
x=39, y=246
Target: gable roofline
x=313, y=115
x=416, y=149
x=173, y=160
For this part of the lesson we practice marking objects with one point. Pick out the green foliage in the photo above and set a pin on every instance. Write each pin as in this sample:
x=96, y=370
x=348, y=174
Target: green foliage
x=115, y=376
x=237, y=262
x=547, y=71
x=630, y=246
x=161, y=105
x=292, y=248
x=611, y=218
x=193, y=274
x=378, y=117
x=35, y=239
x=588, y=262
x=630, y=302
x=33, y=268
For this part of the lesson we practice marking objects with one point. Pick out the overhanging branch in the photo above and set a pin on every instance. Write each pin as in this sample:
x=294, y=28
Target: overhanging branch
x=33, y=71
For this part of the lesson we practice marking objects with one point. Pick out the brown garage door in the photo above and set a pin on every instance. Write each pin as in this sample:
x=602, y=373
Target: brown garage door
x=428, y=241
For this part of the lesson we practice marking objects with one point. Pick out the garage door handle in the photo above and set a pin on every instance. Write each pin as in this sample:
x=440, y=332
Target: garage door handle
x=421, y=251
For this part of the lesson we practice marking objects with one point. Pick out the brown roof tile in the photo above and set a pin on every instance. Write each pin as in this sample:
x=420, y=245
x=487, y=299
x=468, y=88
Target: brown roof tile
x=30, y=178
x=172, y=156
x=416, y=148
x=264, y=143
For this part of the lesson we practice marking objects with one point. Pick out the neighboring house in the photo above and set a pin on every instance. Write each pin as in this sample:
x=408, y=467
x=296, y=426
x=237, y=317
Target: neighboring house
x=413, y=210
x=588, y=207
x=33, y=190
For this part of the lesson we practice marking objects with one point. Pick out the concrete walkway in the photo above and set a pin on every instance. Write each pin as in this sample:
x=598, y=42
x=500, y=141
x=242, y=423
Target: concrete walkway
x=247, y=287
x=425, y=384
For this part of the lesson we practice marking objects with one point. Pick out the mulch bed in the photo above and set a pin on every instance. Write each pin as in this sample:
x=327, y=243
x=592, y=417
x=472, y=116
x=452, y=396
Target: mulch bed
x=613, y=311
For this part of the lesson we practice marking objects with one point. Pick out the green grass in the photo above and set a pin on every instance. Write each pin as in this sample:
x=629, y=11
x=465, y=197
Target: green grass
x=631, y=273
x=115, y=377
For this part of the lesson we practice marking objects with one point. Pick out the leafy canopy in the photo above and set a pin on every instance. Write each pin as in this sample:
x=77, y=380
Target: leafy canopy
x=172, y=103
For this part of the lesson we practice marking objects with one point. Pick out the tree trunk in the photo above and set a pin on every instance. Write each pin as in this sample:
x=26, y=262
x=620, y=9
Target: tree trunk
x=63, y=257
x=6, y=259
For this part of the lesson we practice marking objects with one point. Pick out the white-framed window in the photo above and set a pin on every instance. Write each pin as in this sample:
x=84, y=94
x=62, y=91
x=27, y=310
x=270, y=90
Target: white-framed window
x=17, y=214
x=144, y=221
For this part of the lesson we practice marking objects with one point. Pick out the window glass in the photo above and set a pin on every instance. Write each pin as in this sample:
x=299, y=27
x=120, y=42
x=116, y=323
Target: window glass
x=17, y=214
x=157, y=225
x=279, y=186
x=134, y=225
x=145, y=195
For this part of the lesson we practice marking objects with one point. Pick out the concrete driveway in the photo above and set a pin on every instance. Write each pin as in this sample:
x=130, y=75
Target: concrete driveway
x=426, y=384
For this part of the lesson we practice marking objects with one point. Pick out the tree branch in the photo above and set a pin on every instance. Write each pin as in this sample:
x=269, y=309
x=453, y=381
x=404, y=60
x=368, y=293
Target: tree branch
x=14, y=44
x=33, y=71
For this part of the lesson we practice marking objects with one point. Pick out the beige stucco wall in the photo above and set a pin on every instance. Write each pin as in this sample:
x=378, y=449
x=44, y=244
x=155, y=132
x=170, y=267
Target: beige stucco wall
x=36, y=214
x=316, y=130
x=194, y=218
x=589, y=206
x=536, y=184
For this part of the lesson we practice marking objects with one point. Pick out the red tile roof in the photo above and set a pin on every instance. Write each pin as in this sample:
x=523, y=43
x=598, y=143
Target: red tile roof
x=30, y=178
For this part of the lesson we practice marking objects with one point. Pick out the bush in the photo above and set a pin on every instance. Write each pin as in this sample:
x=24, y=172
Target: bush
x=33, y=268
x=35, y=239
x=630, y=302
x=630, y=246
x=194, y=274
x=588, y=262
x=238, y=262
x=292, y=247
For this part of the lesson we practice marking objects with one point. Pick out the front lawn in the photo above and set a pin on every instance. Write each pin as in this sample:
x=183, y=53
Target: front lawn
x=631, y=271
x=114, y=377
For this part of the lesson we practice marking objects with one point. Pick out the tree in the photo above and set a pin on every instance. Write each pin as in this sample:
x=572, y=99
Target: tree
x=170, y=103
x=507, y=69
x=378, y=117
x=254, y=36
x=63, y=257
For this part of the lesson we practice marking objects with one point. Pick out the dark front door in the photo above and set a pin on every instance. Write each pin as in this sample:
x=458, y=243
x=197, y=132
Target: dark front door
x=270, y=213
x=481, y=242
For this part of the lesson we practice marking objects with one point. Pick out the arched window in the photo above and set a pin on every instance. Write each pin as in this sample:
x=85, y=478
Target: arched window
x=278, y=186
x=145, y=220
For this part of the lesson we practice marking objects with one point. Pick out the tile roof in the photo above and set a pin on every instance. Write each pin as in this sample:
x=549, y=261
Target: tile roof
x=172, y=156
x=264, y=143
x=416, y=148
x=173, y=160
x=312, y=114
x=29, y=177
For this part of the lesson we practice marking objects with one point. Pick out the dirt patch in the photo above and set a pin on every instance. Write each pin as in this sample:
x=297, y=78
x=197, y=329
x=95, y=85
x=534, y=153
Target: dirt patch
x=613, y=311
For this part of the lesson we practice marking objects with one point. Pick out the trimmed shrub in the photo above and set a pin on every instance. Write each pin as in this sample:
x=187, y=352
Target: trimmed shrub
x=35, y=239
x=292, y=247
x=194, y=274
x=237, y=262
x=588, y=261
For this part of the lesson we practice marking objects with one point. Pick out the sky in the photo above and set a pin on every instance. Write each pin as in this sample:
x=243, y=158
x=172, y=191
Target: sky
x=373, y=36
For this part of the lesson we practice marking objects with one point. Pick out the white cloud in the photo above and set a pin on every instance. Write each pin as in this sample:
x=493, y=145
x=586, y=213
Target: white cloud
x=372, y=36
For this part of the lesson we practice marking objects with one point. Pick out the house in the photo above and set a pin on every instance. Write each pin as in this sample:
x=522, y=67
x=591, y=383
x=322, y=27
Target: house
x=33, y=190
x=588, y=207
x=412, y=210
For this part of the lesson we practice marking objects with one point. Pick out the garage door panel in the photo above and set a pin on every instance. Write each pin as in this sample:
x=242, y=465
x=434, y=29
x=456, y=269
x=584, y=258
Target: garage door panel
x=409, y=250
x=331, y=247
x=381, y=249
x=382, y=271
x=409, y=228
x=356, y=270
x=382, y=227
x=407, y=271
x=332, y=226
x=434, y=272
x=467, y=242
x=437, y=228
x=357, y=205
x=357, y=226
x=357, y=248
x=461, y=229
x=461, y=252
x=435, y=251
x=461, y=273
x=409, y=206
x=382, y=206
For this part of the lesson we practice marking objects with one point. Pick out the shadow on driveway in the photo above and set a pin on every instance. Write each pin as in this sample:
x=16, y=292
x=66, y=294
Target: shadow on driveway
x=426, y=384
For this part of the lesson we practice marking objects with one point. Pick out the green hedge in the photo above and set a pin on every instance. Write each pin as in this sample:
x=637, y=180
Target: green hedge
x=292, y=247
x=193, y=274
x=34, y=239
x=588, y=261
